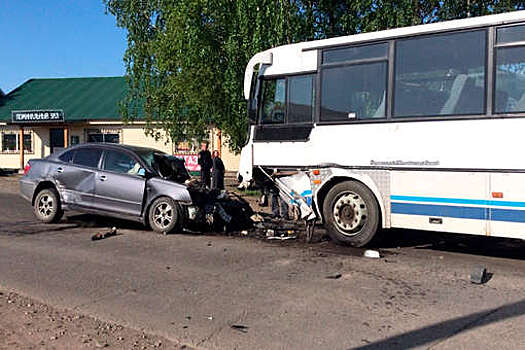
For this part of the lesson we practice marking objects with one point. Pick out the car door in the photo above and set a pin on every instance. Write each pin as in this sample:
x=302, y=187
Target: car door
x=75, y=175
x=119, y=188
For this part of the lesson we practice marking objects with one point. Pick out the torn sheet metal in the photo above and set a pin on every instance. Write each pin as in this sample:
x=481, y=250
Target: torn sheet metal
x=296, y=190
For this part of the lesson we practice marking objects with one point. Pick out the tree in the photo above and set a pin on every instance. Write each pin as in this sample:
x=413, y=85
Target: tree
x=185, y=59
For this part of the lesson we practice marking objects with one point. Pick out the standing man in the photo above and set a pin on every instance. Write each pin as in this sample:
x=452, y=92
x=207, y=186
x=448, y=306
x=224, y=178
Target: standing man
x=218, y=172
x=206, y=164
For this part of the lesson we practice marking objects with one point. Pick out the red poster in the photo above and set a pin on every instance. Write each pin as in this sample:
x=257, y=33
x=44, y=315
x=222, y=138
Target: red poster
x=190, y=160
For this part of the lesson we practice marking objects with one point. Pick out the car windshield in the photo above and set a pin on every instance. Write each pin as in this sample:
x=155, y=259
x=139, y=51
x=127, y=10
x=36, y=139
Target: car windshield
x=147, y=155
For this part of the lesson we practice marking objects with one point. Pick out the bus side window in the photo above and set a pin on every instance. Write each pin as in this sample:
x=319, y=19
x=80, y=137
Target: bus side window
x=510, y=70
x=354, y=83
x=442, y=74
x=300, y=98
x=273, y=104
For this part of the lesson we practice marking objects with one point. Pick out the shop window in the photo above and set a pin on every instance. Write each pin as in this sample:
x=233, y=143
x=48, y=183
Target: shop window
x=103, y=137
x=11, y=143
x=28, y=143
x=75, y=140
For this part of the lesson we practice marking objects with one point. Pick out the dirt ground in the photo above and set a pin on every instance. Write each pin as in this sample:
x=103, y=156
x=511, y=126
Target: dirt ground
x=28, y=324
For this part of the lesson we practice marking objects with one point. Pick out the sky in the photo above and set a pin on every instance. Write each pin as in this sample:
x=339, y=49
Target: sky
x=58, y=38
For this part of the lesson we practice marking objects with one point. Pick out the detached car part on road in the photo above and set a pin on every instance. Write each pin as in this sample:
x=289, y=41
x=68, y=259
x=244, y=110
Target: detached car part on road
x=133, y=183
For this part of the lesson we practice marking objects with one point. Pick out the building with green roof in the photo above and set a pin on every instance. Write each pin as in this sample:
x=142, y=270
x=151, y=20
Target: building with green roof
x=42, y=116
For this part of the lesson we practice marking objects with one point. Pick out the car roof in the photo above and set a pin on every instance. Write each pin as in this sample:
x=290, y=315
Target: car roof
x=116, y=146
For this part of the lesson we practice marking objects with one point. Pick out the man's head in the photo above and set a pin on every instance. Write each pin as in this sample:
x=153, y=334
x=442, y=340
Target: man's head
x=215, y=154
x=204, y=146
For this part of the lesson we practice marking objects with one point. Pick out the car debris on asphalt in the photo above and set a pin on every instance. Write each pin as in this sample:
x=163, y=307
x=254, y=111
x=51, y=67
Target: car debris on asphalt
x=334, y=276
x=373, y=254
x=104, y=234
x=479, y=275
x=239, y=327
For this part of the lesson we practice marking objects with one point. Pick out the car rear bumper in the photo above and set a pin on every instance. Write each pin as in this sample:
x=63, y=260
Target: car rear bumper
x=27, y=189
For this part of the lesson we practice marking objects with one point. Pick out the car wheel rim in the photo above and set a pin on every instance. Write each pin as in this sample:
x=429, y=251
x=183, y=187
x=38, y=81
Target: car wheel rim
x=350, y=213
x=45, y=206
x=163, y=215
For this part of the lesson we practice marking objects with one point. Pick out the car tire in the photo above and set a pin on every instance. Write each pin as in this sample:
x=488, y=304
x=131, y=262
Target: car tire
x=351, y=214
x=47, y=206
x=164, y=215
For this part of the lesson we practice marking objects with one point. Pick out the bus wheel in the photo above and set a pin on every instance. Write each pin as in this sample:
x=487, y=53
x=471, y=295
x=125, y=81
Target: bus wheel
x=351, y=213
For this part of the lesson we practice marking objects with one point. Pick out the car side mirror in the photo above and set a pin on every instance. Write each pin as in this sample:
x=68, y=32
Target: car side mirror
x=141, y=172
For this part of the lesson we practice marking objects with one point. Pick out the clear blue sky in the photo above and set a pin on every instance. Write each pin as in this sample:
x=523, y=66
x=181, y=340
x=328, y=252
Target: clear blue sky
x=58, y=38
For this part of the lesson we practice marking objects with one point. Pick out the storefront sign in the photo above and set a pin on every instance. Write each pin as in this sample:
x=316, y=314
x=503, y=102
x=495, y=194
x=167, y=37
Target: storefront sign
x=37, y=116
x=190, y=160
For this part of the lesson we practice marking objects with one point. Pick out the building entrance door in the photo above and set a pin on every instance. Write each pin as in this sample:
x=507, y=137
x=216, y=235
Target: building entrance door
x=56, y=139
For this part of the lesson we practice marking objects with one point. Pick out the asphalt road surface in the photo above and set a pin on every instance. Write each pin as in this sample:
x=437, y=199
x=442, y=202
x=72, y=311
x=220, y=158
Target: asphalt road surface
x=193, y=288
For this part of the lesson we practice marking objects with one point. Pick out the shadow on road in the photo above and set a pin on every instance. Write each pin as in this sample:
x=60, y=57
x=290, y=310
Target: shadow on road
x=441, y=331
x=96, y=221
x=448, y=242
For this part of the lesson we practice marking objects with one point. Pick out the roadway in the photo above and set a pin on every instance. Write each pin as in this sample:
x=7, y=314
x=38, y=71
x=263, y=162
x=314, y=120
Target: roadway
x=192, y=288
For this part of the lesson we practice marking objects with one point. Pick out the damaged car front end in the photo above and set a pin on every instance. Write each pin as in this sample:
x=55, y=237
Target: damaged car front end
x=127, y=182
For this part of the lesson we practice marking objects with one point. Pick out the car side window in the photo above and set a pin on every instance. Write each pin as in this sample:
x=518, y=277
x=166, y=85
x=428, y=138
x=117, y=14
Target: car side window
x=88, y=157
x=66, y=157
x=120, y=163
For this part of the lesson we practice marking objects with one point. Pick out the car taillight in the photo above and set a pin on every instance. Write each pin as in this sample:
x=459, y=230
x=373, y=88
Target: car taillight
x=27, y=168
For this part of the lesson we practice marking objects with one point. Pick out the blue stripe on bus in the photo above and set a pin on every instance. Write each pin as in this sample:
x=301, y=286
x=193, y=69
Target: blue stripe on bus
x=508, y=215
x=477, y=213
x=440, y=210
x=458, y=201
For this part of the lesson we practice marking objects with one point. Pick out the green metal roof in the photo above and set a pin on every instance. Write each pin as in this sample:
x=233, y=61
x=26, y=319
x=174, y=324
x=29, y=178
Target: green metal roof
x=79, y=98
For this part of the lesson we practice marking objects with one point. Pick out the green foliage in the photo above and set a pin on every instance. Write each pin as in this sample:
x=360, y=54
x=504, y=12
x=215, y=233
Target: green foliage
x=186, y=58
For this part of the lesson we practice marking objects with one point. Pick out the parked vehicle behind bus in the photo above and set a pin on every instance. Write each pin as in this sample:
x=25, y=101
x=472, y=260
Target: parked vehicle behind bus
x=418, y=127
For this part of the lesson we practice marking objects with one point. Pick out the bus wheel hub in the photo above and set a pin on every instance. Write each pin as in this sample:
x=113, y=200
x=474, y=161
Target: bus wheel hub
x=350, y=212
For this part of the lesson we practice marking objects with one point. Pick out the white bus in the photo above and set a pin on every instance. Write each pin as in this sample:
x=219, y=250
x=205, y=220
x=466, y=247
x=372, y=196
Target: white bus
x=420, y=127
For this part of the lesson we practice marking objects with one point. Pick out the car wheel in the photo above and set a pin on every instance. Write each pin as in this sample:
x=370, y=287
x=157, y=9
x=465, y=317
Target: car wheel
x=164, y=215
x=351, y=213
x=47, y=206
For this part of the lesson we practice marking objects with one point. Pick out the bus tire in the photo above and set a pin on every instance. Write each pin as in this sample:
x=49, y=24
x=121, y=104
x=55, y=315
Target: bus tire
x=351, y=213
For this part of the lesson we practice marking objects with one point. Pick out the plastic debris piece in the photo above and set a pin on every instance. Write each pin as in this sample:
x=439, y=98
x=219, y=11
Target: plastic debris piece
x=334, y=276
x=373, y=254
x=244, y=233
x=270, y=233
x=479, y=275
